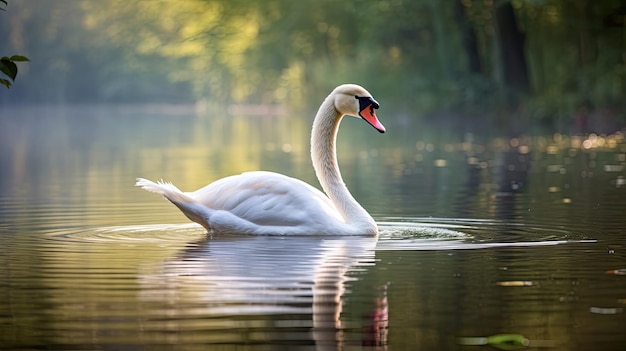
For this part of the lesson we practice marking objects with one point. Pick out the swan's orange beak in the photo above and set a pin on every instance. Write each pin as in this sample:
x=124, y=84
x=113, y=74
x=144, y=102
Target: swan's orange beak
x=367, y=105
x=369, y=115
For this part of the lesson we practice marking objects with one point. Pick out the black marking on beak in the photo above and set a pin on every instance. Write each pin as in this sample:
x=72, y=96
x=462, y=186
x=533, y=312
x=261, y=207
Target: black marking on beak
x=365, y=101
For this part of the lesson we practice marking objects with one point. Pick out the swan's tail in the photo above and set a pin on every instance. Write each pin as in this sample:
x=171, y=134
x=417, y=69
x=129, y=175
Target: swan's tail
x=190, y=207
x=168, y=190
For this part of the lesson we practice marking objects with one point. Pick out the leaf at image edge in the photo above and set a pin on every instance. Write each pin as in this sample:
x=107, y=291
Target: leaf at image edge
x=9, y=68
x=19, y=58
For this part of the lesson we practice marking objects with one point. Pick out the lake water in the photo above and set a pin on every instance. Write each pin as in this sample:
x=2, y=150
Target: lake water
x=486, y=242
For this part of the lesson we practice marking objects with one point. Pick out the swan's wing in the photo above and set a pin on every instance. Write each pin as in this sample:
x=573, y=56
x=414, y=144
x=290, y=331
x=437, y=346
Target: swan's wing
x=268, y=199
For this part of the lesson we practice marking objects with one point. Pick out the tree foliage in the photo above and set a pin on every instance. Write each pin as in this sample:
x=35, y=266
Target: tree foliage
x=8, y=65
x=541, y=58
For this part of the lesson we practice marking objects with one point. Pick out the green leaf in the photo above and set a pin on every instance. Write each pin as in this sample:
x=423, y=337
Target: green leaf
x=18, y=58
x=9, y=68
x=5, y=82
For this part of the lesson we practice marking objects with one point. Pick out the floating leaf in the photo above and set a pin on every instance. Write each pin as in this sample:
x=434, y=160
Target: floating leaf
x=5, y=82
x=508, y=341
x=500, y=341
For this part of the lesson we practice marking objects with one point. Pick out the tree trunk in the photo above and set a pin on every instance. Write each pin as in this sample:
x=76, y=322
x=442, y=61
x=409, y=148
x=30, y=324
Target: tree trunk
x=511, y=49
x=441, y=40
x=468, y=39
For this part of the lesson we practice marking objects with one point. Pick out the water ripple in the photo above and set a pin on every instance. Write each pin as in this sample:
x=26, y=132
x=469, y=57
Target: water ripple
x=457, y=234
x=395, y=233
x=152, y=233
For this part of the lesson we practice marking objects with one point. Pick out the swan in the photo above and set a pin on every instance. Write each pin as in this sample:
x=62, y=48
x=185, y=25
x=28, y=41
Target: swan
x=267, y=203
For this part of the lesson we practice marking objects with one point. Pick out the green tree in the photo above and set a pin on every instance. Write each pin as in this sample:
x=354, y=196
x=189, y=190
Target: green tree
x=536, y=59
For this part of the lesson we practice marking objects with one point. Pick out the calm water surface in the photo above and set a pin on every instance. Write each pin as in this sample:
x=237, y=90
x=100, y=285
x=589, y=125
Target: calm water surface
x=487, y=242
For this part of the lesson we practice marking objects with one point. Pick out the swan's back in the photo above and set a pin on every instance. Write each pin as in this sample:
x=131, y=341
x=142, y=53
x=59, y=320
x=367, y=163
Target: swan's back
x=268, y=199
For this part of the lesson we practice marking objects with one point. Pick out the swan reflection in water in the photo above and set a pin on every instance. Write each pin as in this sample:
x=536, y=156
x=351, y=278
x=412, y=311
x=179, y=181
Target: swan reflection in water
x=263, y=290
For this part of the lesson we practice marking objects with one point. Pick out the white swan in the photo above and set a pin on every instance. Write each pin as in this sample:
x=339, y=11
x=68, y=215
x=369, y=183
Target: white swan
x=266, y=203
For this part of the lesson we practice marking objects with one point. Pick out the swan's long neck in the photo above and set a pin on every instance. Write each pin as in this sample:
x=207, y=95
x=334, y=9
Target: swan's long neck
x=324, y=155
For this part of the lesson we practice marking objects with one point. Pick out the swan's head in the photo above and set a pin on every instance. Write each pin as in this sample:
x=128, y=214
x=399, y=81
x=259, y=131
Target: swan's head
x=354, y=100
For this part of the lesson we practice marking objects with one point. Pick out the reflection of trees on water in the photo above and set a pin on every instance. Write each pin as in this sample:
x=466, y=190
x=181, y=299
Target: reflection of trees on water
x=511, y=176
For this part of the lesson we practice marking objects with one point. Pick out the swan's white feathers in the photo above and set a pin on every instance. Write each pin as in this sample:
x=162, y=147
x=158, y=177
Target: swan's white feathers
x=255, y=203
x=265, y=203
x=267, y=198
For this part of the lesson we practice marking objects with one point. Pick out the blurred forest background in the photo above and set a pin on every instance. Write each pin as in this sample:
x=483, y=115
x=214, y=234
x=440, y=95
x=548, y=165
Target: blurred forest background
x=554, y=62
